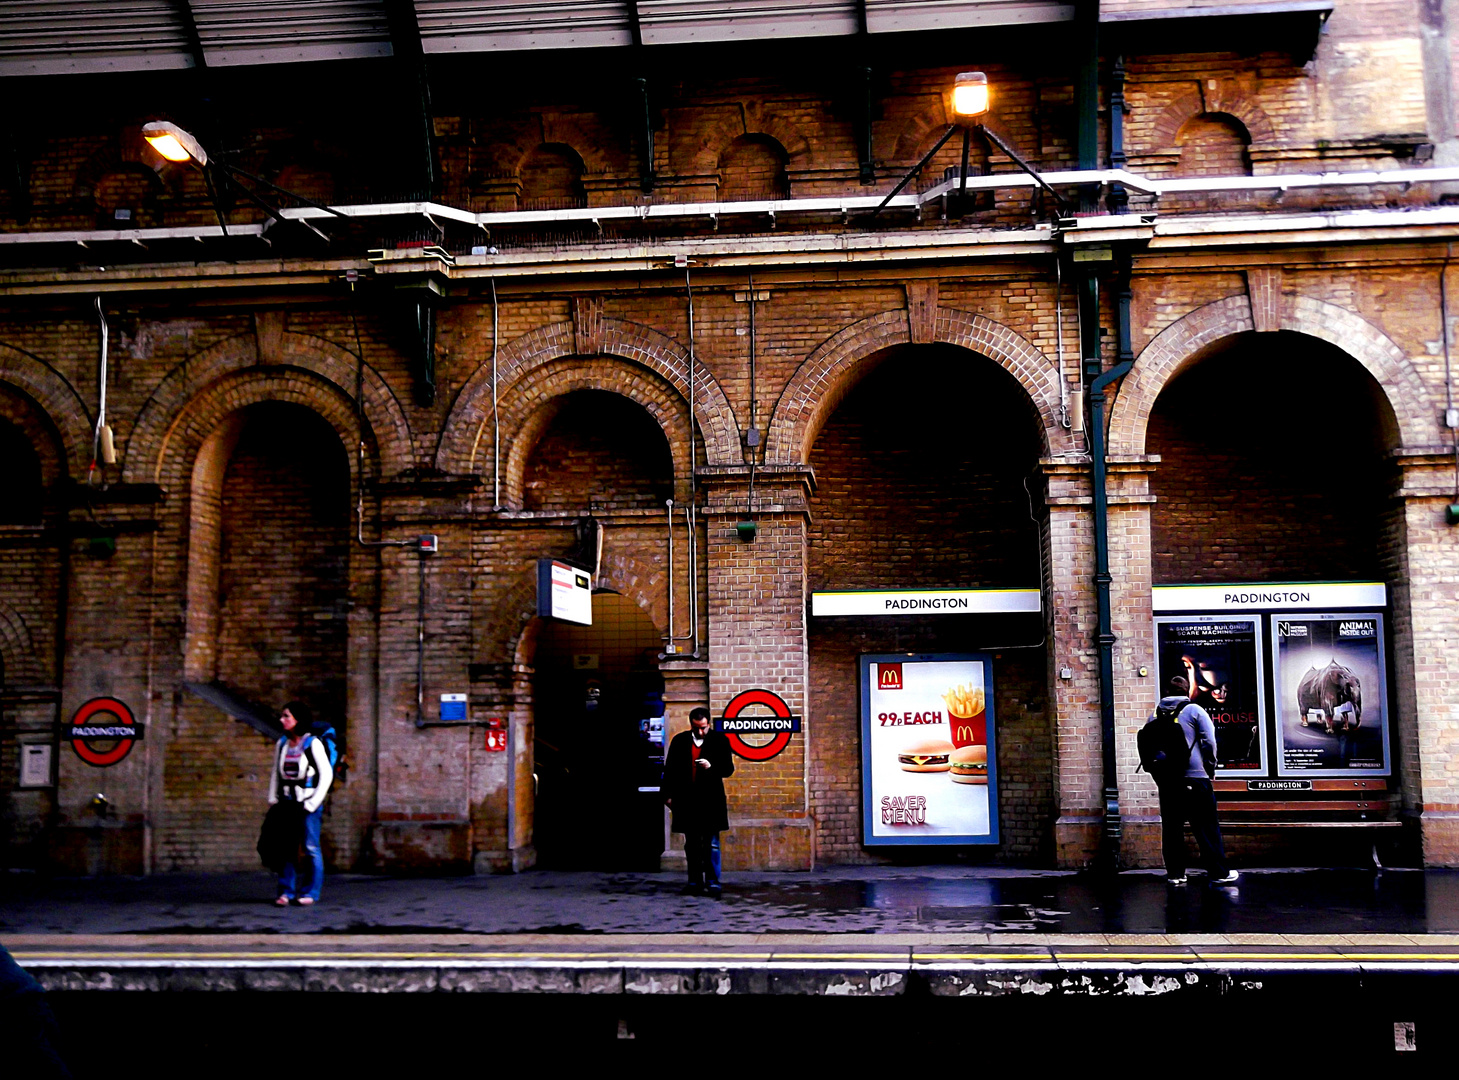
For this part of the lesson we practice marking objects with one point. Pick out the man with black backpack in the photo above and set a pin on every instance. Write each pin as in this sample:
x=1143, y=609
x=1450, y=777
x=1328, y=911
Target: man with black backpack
x=1178, y=749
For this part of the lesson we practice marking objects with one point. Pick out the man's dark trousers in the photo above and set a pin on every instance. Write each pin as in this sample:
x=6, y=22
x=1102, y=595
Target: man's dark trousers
x=702, y=850
x=1192, y=800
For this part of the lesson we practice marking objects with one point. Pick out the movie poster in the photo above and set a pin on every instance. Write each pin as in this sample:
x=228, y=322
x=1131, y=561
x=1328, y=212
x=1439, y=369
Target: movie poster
x=928, y=763
x=1220, y=657
x=1331, y=702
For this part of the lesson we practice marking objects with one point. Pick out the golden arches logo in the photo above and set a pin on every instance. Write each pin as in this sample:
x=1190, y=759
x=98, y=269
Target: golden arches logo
x=889, y=676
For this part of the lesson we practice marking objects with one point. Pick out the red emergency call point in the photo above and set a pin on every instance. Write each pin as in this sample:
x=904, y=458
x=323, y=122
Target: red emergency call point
x=428, y=544
x=496, y=736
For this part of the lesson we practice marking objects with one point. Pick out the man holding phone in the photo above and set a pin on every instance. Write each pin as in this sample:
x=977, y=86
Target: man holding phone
x=694, y=770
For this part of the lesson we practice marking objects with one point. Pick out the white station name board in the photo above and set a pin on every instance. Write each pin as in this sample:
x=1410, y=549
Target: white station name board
x=927, y=602
x=1361, y=594
x=564, y=592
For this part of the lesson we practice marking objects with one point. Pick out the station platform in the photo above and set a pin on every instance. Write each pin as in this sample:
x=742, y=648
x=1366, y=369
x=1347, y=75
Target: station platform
x=1339, y=964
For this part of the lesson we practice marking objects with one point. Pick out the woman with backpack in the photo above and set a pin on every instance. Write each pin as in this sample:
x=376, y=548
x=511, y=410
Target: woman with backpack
x=302, y=773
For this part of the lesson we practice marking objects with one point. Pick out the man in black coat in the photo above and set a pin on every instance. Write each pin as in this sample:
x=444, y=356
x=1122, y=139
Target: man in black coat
x=694, y=770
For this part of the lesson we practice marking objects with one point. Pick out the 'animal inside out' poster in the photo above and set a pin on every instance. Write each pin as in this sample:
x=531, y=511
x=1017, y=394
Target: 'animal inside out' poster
x=1220, y=658
x=1331, y=701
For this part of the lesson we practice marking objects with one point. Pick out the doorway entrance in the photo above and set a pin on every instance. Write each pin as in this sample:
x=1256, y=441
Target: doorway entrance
x=597, y=692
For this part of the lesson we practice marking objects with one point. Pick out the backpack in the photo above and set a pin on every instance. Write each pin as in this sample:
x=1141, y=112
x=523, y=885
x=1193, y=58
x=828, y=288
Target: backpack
x=325, y=733
x=1164, y=753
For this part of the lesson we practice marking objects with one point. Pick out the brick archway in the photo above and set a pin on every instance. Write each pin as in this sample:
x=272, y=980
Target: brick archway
x=57, y=399
x=17, y=650
x=321, y=364
x=524, y=416
x=470, y=418
x=829, y=373
x=1184, y=341
x=511, y=616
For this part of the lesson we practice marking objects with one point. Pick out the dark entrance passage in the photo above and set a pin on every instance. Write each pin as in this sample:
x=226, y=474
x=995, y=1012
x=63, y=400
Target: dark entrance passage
x=596, y=689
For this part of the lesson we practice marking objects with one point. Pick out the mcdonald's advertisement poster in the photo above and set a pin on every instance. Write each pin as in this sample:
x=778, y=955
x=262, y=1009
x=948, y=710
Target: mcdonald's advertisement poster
x=1220, y=658
x=1331, y=702
x=928, y=761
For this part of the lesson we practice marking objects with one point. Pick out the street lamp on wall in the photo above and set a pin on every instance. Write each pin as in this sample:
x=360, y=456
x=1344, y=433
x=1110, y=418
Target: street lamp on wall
x=970, y=96
x=175, y=144
x=971, y=100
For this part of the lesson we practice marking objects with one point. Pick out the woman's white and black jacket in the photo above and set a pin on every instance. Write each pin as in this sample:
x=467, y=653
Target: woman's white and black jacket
x=309, y=789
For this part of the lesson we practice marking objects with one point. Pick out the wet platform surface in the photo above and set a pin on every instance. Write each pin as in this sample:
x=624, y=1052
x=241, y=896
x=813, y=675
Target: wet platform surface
x=859, y=900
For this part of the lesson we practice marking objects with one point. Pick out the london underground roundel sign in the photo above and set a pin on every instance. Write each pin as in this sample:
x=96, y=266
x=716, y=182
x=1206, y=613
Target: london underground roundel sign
x=102, y=731
x=781, y=723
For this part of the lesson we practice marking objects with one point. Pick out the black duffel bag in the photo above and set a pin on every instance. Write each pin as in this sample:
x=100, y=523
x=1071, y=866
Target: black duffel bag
x=282, y=834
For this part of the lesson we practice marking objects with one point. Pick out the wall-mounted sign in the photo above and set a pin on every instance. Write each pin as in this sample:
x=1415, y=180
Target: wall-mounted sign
x=1348, y=594
x=926, y=602
x=1330, y=697
x=564, y=592
x=35, y=765
x=929, y=771
x=780, y=723
x=453, y=706
x=1220, y=657
x=496, y=735
x=102, y=731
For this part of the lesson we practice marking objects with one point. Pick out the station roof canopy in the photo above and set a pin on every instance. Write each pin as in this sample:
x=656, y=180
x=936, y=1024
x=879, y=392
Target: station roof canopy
x=56, y=37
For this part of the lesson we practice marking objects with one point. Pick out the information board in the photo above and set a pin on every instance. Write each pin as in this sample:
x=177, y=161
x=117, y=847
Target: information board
x=1330, y=694
x=564, y=592
x=1220, y=657
x=928, y=750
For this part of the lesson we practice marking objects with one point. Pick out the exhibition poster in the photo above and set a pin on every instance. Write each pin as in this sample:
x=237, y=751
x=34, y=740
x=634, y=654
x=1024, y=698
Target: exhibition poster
x=929, y=773
x=1331, y=701
x=1220, y=658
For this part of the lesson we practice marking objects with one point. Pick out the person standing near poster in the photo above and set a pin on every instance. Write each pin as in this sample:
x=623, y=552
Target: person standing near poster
x=694, y=770
x=1186, y=795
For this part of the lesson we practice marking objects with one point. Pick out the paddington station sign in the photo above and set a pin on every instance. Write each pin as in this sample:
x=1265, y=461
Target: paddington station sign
x=927, y=602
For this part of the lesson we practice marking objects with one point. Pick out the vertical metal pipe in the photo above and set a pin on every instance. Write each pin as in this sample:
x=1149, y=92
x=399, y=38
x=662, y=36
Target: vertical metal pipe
x=670, y=504
x=496, y=427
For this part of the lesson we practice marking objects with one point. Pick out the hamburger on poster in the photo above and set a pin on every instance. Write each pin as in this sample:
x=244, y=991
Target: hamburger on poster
x=925, y=755
x=969, y=765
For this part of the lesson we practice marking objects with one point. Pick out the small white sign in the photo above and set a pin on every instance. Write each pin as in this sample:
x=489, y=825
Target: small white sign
x=1356, y=594
x=564, y=592
x=35, y=765
x=927, y=602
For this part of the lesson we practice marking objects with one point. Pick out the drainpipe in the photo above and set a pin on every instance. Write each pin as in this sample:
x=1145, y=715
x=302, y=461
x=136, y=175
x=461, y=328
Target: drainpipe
x=1098, y=381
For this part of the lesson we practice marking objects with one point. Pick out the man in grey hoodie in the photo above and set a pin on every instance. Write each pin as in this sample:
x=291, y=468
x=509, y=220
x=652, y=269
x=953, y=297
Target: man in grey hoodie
x=1191, y=797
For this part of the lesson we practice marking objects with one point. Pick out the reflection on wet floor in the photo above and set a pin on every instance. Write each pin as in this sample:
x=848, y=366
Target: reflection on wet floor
x=863, y=900
x=1309, y=901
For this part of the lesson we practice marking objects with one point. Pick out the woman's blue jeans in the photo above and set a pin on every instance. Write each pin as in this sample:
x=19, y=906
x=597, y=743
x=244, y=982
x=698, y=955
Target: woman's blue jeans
x=316, y=860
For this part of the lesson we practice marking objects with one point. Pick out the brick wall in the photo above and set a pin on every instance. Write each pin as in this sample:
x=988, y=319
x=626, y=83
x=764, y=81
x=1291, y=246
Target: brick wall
x=599, y=446
x=919, y=483
x=281, y=582
x=1282, y=483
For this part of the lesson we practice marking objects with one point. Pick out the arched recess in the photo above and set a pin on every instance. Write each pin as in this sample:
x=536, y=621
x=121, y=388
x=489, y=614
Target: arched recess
x=825, y=377
x=1226, y=100
x=318, y=361
x=19, y=664
x=525, y=412
x=467, y=431
x=513, y=620
x=1184, y=341
x=57, y=399
x=717, y=139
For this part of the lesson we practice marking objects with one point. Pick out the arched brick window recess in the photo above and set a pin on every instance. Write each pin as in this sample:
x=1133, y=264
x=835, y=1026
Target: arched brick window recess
x=1249, y=489
x=20, y=481
x=128, y=198
x=919, y=490
x=269, y=547
x=753, y=168
x=1213, y=144
x=595, y=448
x=551, y=178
